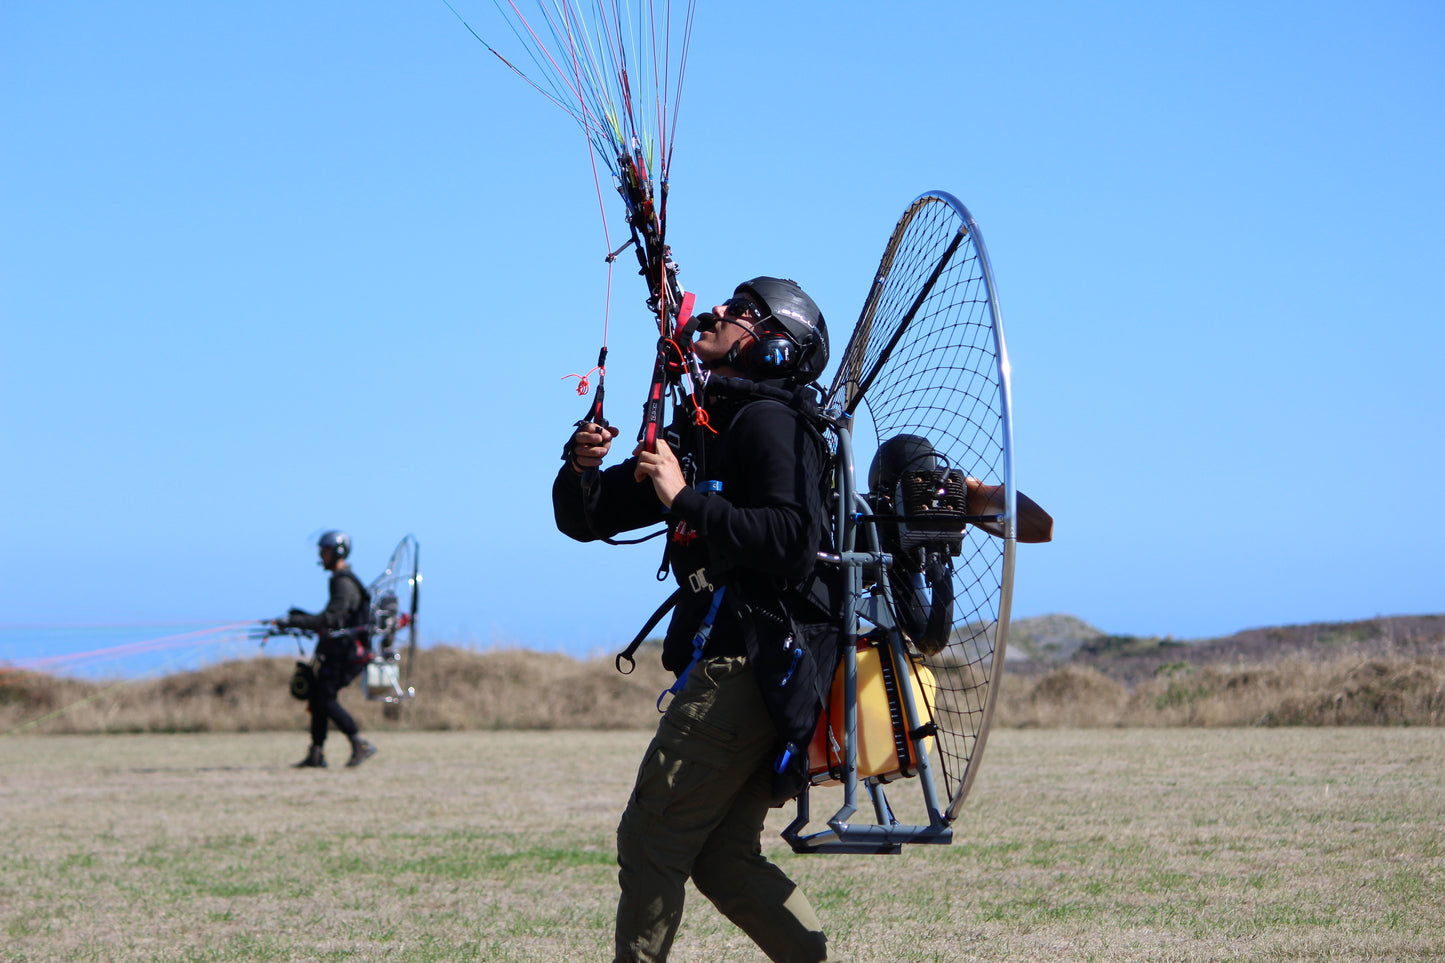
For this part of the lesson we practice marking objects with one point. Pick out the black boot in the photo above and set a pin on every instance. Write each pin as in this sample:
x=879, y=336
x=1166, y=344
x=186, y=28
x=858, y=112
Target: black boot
x=314, y=759
x=361, y=750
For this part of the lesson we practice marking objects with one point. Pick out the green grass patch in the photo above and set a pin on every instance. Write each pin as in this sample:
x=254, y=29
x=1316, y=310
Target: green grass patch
x=1110, y=845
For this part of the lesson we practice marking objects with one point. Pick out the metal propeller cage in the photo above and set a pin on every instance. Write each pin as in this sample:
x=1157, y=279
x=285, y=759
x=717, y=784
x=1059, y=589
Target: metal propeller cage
x=927, y=357
x=387, y=678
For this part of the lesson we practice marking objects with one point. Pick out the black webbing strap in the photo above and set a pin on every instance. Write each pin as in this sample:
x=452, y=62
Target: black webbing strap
x=896, y=714
x=637, y=640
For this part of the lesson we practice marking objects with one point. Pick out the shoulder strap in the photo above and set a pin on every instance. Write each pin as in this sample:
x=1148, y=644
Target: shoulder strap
x=365, y=612
x=348, y=573
x=801, y=399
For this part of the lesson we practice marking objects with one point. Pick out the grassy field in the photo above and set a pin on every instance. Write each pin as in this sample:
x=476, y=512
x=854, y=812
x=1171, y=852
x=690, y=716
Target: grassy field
x=1108, y=844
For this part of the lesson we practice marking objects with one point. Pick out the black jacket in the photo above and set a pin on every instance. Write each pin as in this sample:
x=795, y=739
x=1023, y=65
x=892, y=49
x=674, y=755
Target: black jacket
x=348, y=607
x=753, y=518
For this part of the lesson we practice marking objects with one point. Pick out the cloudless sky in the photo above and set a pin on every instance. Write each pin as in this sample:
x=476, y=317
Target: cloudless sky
x=272, y=268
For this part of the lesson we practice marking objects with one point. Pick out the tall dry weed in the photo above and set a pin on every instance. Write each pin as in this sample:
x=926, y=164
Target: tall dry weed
x=1371, y=691
x=1348, y=688
x=457, y=689
x=520, y=689
x=462, y=690
x=1069, y=697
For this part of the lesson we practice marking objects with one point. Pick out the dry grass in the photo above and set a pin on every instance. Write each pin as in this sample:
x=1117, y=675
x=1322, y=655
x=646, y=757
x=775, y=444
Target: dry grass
x=463, y=690
x=1347, y=688
x=460, y=689
x=1175, y=844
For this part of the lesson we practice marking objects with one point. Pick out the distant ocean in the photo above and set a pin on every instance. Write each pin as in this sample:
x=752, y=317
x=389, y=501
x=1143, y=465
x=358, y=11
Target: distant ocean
x=131, y=651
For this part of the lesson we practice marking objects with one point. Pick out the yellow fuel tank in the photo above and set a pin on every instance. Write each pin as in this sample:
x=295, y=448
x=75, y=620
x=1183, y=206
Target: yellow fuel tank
x=884, y=749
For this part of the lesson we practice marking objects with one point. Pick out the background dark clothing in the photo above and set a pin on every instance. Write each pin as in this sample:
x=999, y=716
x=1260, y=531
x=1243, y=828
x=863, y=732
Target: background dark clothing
x=346, y=608
x=325, y=705
x=339, y=659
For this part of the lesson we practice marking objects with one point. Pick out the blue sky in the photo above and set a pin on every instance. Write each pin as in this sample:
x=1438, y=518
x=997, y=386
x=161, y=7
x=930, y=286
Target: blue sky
x=271, y=269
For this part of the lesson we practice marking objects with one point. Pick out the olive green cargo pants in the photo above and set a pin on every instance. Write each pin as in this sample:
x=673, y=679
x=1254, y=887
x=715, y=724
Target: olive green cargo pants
x=697, y=811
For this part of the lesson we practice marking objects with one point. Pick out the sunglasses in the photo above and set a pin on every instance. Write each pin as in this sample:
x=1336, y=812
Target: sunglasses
x=733, y=310
x=745, y=309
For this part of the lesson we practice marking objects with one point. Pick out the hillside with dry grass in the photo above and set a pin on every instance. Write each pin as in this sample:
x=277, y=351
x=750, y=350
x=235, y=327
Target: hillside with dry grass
x=458, y=689
x=1380, y=672
x=1385, y=671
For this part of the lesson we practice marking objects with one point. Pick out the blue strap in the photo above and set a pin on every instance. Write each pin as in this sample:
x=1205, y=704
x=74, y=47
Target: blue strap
x=792, y=665
x=780, y=765
x=784, y=758
x=699, y=642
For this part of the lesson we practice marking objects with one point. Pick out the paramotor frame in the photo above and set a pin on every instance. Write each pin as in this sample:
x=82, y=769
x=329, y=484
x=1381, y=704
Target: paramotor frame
x=926, y=362
x=388, y=676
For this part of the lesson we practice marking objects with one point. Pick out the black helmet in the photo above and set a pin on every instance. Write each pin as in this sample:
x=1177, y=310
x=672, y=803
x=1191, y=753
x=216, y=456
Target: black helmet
x=792, y=337
x=339, y=541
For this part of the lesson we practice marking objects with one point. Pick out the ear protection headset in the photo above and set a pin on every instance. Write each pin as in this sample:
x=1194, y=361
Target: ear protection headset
x=770, y=354
x=340, y=542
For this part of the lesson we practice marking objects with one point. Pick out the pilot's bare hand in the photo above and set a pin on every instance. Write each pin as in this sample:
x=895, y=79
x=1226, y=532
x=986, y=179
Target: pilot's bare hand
x=662, y=467
x=591, y=444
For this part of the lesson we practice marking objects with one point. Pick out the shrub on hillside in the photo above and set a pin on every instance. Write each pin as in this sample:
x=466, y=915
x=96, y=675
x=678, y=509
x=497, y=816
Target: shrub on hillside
x=461, y=689
x=1070, y=696
x=1375, y=691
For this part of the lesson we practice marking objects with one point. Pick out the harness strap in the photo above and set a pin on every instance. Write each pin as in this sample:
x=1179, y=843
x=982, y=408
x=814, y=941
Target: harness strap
x=638, y=639
x=699, y=642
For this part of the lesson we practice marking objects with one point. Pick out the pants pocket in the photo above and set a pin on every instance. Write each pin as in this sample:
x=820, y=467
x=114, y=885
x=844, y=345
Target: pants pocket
x=668, y=779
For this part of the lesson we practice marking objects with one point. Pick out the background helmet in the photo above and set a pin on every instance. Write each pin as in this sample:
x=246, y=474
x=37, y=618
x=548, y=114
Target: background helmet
x=792, y=338
x=339, y=541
